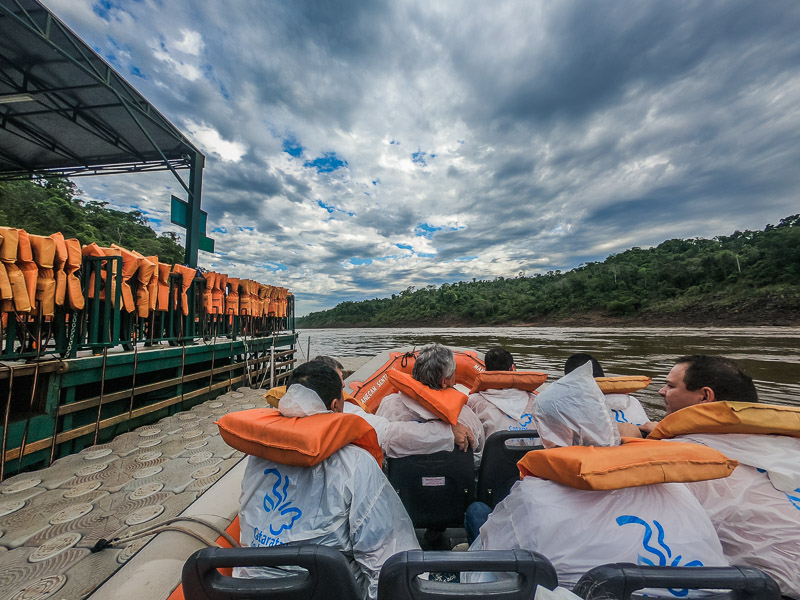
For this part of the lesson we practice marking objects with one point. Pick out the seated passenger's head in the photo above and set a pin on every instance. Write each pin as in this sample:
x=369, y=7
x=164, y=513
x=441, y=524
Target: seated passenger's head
x=576, y=360
x=321, y=379
x=573, y=412
x=701, y=378
x=435, y=367
x=499, y=359
x=331, y=362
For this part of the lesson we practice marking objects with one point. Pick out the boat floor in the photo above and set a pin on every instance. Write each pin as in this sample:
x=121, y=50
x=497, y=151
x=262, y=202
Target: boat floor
x=51, y=518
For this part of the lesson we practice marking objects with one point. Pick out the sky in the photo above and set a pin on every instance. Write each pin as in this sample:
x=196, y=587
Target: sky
x=356, y=148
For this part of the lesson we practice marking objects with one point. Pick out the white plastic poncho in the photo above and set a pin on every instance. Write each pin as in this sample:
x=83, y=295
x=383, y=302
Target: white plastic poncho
x=573, y=412
x=402, y=409
x=406, y=438
x=626, y=409
x=503, y=410
x=579, y=529
x=756, y=511
x=344, y=502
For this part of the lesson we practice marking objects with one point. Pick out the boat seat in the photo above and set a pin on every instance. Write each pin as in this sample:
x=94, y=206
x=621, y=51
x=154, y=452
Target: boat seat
x=327, y=574
x=499, y=469
x=434, y=488
x=618, y=581
x=399, y=579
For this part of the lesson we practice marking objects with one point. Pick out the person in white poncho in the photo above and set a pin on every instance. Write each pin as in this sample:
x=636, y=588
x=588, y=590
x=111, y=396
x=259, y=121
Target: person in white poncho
x=624, y=407
x=756, y=510
x=401, y=438
x=344, y=502
x=435, y=367
x=506, y=409
x=577, y=530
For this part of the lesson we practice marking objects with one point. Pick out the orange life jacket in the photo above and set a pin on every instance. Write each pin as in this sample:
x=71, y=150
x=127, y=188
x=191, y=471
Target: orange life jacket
x=59, y=261
x=26, y=264
x=445, y=403
x=626, y=384
x=130, y=264
x=298, y=441
x=163, y=299
x=44, y=255
x=232, y=300
x=636, y=462
x=502, y=380
x=187, y=276
x=730, y=417
x=71, y=267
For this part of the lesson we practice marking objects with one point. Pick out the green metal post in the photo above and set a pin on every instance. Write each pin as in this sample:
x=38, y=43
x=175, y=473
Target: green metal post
x=193, y=232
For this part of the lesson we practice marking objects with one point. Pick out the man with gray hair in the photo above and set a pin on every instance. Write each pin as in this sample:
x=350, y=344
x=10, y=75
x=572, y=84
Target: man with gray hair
x=435, y=368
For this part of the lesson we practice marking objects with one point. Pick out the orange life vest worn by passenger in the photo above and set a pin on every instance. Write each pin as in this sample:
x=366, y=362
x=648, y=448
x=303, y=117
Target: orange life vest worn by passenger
x=503, y=380
x=625, y=384
x=445, y=403
x=636, y=462
x=377, y=386
x=274, y=395
x=297, y=441
x=730, y=417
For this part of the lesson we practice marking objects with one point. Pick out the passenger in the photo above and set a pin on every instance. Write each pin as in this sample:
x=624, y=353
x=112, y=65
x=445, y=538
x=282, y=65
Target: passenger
x=581, y=529
x=624, y=407
x=756, y=511
x=344, y=502
x=435, y=367
x=502, y=409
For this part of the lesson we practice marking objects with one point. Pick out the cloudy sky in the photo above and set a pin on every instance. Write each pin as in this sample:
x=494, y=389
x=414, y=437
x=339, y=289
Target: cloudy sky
x=358, y=148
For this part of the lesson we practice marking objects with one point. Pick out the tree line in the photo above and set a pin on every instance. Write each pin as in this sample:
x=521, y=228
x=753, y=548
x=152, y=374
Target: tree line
x=44, y=206
x=754, y=273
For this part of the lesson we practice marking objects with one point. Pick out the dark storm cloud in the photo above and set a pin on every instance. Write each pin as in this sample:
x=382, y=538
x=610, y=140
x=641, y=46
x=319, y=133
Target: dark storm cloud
x=562, y=131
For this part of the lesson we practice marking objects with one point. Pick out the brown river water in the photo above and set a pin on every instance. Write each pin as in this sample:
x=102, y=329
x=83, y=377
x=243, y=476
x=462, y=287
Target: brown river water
x=771, y=355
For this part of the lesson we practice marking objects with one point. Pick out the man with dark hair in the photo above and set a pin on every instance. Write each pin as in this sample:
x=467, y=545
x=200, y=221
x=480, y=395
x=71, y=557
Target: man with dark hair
x=322, y=379
x=499, y=359
x=581, y=358
x=701, y=378
x=343, y=501
x=756, y=511
x=506, y=409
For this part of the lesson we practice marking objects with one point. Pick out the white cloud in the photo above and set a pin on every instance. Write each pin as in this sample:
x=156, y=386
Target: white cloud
x=552, y=133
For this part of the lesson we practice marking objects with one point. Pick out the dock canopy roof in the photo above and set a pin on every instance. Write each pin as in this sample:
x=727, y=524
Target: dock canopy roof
x=65, y=111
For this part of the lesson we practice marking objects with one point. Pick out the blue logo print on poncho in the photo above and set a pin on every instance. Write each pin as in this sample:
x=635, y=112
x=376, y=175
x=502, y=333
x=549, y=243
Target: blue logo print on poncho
x=661, y=558
x=525, y=419
x=275, y=500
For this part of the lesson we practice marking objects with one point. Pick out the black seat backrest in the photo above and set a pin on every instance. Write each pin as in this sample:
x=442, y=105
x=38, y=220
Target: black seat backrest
x=327, y=574
x=499, y=469
x=399, y=576
x=435, y=488
x=620, y=580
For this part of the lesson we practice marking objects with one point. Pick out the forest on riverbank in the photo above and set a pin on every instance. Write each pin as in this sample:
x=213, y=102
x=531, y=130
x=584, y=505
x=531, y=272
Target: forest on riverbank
x=746, y=278
x=49, y=205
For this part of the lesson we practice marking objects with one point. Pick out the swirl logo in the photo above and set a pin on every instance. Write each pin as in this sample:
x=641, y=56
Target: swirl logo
x=526, y=419
x=661, y=556
x=284, y=515
x=795, y=499
x=619, y=416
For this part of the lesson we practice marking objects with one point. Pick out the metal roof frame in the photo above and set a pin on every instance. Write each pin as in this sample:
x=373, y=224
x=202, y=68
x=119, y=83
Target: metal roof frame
x=64, y=111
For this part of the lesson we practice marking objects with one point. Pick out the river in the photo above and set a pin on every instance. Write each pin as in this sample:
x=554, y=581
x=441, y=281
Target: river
x=771, y=355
